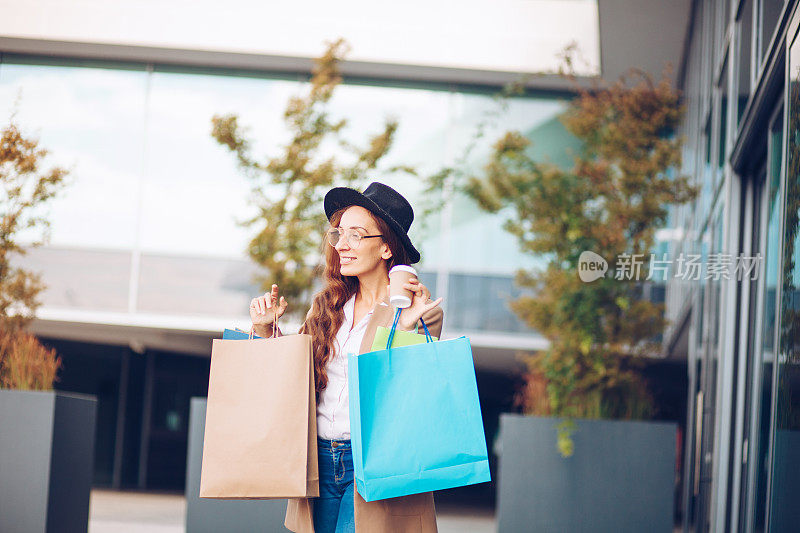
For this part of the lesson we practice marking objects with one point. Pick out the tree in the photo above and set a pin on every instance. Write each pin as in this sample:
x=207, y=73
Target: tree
x=610, y=202
x=24, y=362
x=25, y=187
x=289, y=187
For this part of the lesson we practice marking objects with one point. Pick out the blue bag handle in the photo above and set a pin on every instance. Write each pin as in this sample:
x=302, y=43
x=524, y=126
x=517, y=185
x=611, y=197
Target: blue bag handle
x=428, y=337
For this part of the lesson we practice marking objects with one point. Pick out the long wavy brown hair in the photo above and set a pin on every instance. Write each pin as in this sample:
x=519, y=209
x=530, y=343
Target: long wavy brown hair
x=327, y=313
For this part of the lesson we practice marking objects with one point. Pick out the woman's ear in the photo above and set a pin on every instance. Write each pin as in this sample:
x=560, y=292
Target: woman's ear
x=386, y=253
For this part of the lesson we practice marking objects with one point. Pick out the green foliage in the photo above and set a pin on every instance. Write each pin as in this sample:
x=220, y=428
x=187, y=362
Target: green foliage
x=564, y=443
x=611, y=202
x=288, y=187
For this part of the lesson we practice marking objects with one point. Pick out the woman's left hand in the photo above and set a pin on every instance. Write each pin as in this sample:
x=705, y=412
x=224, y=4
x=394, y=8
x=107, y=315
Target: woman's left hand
x=419, y=304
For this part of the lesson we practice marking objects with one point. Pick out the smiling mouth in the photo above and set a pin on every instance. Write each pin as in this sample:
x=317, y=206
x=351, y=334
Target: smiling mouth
x=346, y=260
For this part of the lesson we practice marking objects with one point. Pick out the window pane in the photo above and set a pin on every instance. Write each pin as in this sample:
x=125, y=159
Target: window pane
x=485, y=246
x=194, y=193
x=785, y=513
x=762, y=394
x=770, y=13
x=91, y=120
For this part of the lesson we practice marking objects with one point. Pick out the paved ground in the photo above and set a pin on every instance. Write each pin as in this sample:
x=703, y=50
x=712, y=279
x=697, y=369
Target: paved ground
x=134, y=512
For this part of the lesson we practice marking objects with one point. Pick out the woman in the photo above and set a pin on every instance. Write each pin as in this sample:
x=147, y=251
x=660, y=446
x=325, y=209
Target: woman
x=367, y=237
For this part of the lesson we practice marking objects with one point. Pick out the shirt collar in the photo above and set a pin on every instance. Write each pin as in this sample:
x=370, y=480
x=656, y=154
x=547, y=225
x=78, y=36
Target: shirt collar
x=349, y=309
x=350, y=305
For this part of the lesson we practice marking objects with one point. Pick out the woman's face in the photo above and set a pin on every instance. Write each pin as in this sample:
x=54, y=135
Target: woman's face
x=370, y=253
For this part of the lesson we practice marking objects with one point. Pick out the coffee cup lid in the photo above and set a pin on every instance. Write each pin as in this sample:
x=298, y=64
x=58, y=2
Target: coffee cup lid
x=400, y=300
x=404, y=268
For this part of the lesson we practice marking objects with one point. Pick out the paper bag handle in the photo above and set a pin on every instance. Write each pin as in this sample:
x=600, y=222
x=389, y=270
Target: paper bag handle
x=274, y=328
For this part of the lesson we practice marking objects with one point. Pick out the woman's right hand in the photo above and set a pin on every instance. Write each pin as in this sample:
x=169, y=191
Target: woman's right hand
x=264, y=308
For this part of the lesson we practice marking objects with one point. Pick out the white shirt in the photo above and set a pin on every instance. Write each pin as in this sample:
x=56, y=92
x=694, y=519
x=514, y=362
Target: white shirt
x=333, y=409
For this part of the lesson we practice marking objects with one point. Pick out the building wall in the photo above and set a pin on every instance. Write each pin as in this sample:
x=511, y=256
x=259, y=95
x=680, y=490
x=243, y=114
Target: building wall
x=509, y=35
x=734, y=127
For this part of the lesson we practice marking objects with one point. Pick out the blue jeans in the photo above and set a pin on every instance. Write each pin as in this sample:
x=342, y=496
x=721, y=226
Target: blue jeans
x=333, y=510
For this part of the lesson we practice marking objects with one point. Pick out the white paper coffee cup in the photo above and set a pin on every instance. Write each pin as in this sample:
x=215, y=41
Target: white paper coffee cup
x=399, y=275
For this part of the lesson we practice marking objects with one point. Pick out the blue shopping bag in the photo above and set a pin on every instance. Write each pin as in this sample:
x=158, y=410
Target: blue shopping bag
x=237, y=334
x=415, y=418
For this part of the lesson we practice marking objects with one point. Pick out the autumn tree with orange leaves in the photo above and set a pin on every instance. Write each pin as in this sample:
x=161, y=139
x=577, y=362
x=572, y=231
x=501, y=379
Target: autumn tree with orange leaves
x=611, y=202
x=24, y=187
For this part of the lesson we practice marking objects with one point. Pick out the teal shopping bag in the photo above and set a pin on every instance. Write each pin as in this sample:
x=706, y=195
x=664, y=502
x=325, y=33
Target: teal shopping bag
x=237, y=334
x=415, y=419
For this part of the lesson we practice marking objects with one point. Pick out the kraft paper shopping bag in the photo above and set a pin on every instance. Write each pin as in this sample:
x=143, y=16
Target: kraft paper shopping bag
x=260, y=435
x=415, y=418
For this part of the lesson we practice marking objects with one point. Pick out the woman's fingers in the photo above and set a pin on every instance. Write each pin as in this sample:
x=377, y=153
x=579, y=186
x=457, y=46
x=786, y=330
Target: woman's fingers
x=271, y=296
x=428, y=306
x=413, y=287
x=433, y=304
x=268, y=301
x=417, y=288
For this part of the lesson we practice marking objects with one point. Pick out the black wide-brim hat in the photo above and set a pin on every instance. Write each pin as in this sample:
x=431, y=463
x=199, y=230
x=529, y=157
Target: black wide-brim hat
x=382, y=201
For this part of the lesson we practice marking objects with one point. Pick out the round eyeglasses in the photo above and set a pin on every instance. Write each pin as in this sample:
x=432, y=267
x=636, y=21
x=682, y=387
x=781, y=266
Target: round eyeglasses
x=353, y=237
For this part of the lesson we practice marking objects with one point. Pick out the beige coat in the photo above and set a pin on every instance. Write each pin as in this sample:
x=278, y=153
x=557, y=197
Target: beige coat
x=405, y=514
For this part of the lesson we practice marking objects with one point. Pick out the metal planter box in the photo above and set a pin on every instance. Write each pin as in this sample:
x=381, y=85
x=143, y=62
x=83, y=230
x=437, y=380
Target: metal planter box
x=46, y=461
x=206, y=515
x=619, y=479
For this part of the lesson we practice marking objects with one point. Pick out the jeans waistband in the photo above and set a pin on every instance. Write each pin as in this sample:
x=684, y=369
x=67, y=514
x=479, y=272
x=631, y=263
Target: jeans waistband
x=335, y=443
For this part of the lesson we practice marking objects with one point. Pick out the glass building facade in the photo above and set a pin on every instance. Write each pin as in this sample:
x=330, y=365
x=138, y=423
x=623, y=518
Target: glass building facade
x=148, y=180
x=145, y=236
x=742, y=465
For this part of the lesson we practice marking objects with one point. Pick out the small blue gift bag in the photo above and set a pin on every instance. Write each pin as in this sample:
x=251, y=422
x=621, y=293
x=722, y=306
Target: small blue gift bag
x=237, y=334
x=415, y=418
